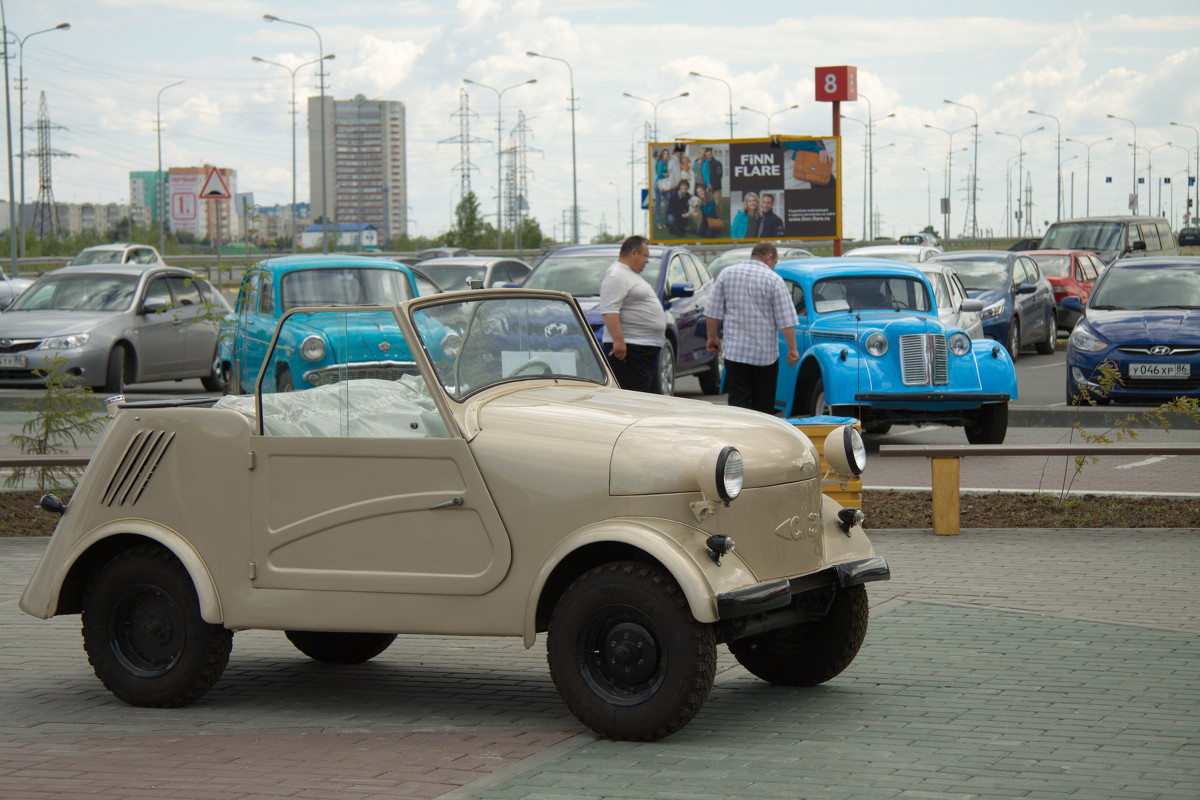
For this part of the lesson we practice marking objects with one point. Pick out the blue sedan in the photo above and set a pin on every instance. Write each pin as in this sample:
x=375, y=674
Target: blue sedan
x=872, y=347
x=1018, y=300
x=315, y=348
x=1143, y=318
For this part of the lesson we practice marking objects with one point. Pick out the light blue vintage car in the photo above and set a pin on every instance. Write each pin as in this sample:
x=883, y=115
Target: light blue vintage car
x=315, y=348
x=872, y=347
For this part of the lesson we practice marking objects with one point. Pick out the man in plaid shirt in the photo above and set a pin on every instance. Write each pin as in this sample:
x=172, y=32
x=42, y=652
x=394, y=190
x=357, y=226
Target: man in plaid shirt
x=754, y=304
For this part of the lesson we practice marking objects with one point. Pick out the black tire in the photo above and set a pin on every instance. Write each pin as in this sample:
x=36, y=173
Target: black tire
x=1048, y=345
x=114, y=372
x=283, y=381
x=664, y=370
x=816, y=399
x=626, y=655
x=1014, y=338
x=710, y=379
x=878, y=428
x=216, y=381
x=988, y=425
x=812, y=652
x=340, y=648
x=144, y=635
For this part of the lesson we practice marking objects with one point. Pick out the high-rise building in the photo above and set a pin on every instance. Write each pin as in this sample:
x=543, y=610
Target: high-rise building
x=364, y=163
x=143, y=191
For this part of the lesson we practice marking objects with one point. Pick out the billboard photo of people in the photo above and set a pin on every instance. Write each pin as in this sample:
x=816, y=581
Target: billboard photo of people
x=745, y=189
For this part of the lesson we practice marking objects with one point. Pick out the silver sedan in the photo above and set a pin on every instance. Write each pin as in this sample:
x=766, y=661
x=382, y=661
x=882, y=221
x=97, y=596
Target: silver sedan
x=114, y=325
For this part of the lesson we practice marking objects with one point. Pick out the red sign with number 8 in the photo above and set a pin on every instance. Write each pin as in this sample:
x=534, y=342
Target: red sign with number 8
x=836, y=83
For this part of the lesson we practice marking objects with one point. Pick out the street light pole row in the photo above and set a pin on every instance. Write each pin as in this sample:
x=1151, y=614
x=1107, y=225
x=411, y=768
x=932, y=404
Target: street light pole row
x=499, y=150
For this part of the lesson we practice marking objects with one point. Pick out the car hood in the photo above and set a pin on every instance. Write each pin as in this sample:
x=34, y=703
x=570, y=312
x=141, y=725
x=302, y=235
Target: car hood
x=366, y=340
x=1149, y=326
x=987, y=296
x=651, y=444
x=40, y=324
x=841, y=326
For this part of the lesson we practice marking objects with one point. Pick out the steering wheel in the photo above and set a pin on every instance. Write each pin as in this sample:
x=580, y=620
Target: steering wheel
x=546, y=368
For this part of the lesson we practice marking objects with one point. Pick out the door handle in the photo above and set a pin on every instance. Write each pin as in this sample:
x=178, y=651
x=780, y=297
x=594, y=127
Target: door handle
x=451, y=503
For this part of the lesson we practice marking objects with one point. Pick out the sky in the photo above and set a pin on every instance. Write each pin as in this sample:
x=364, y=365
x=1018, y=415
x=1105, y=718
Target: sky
x=1078, y=61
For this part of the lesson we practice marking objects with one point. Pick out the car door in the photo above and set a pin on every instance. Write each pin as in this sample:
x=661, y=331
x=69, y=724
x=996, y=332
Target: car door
x=159, y=326
x=969, y=321
x=198, y=330
x=683, y=311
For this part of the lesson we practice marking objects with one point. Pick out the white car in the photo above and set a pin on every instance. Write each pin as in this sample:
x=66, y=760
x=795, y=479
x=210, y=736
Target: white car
x=908, y=253
x=117, y=253
x=954, y=307
x=739, y=254
x=10, y=288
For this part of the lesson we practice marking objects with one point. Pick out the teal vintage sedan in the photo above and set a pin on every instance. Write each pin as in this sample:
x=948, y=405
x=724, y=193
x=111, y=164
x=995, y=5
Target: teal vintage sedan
x=315, y=347
x=872, y=347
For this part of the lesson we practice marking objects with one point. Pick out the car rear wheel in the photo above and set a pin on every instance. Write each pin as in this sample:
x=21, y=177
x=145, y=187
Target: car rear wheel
x=144, y=635
x=626, y=655
x=710, y=379
x=1048, y=345
x=340, y=648
x=988, y=425
x=664, y=374
x=217, y=380
x=809, y=653
x=1014, y=338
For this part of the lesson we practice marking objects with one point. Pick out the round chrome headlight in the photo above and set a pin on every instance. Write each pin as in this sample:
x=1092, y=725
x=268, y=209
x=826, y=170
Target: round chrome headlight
x=877, y=344
x=845, y=452
x=720, y=473
x=312, y=348
x=959, y=343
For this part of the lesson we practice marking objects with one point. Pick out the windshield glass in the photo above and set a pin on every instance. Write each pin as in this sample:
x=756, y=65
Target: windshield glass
x=474, y=344
x=580, y=275
x=895, y=292
x=1162, y=287
x=981, y=273
x=1058, y=266
x=907, y=256
x=344, y=286
x=98, y=257
x=78, y=293
x=453, y=277
x=1095, y=236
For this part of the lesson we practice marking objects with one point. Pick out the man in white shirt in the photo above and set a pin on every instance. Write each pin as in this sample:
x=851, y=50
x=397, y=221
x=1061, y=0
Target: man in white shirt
x=635, y=322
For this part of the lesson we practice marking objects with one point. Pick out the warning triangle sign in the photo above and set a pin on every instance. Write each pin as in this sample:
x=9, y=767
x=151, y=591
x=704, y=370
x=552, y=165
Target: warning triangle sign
x=214, y=187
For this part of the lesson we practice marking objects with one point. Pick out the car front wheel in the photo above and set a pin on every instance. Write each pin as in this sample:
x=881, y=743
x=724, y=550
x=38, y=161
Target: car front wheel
x=664, y=376
x=626, y=655
x=816, y=399
x=988, y=425
x=144, y=635
x=710, y=379
x=114, y=373
x=340, y=648
x=811, y=652
x=1014, y=338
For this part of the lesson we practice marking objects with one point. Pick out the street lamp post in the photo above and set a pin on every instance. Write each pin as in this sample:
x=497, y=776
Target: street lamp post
x=949, y=165
x=644, y=127
x=771, y=115
x=1088, y=193
x=871, y=163
x=158, y=175
x=866, y=170
x=974, y=171
x=499, y=149
x=655, y=105
x=12, y=209
x=574, y=172
x=62, y=26
x=1058, y=126
x=1020, y=168
x=293, y=71
x=1150, y=174
x=324, y=170
x=873, y=152
x=727, y=87
x=1133, y=198
x=928, y=197
x=1196, y=174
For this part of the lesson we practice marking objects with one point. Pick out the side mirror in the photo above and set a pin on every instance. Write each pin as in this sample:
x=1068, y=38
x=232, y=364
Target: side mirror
x=682, y=290
x=1072, y=303
x=970, y=305
x=1026, y=288
x=1137, y=247
x=155, y=306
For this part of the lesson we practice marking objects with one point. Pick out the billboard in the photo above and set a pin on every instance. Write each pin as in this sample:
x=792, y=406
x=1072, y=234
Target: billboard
x=745, y=190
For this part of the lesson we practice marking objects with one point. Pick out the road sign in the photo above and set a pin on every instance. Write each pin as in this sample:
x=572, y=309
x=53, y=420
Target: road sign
x=214, y=187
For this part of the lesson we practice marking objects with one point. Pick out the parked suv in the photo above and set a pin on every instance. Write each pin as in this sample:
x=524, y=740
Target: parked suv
x=1113, y=237
x=683, y=286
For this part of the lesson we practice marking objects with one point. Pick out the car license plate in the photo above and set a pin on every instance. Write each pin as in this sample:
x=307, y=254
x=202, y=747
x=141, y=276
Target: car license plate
x=17, y=362
x=1160, y=371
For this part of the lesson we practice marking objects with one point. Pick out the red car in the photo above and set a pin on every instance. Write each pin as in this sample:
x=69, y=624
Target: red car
x=1071, y=273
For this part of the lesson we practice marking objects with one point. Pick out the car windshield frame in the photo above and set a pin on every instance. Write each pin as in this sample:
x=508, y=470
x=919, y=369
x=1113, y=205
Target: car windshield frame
x=79, y=291
x=1145, y=288
x=476, y=343
x=857, y=292
x=1091, y=235
x=579, y=275
x=1056, y=265
x=331, y=287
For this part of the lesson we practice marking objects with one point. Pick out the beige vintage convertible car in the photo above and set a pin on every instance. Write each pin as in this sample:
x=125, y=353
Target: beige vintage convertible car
x=506, y=488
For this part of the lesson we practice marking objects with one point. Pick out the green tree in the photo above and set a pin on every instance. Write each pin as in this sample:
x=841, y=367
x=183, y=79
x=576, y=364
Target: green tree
x=469, y=231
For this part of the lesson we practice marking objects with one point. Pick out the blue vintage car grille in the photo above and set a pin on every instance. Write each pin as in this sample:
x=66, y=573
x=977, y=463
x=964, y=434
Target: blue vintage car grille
x=923, y=359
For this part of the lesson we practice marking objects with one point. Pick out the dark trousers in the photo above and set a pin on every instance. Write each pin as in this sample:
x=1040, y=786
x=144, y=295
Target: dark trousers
x=636, y=371
x=752, y=385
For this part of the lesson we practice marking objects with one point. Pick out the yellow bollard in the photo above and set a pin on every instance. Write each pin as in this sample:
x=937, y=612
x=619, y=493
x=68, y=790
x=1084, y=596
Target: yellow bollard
x=945, y=496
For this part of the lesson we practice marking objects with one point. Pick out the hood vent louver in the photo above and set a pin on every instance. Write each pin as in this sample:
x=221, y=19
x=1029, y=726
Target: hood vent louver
x=137, y=466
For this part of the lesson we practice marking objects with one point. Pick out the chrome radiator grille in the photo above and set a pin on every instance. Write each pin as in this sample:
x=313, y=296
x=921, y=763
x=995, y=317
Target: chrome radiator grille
x=923, y=359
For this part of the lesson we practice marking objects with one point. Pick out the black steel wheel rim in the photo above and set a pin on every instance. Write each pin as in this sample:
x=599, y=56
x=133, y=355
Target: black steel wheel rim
x=146, y=630
x=620, y=655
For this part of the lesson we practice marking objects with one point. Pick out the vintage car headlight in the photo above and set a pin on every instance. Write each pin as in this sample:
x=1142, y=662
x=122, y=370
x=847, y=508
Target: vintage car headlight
x=1084, y=339
x=65, y=342
x=877, y=344
x=844, y=451
x=994, y=310
x=720, y=473
x=959, y=343
x=312, y=348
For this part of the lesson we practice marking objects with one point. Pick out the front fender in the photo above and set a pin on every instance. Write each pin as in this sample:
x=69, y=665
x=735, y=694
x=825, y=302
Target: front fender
x=827, y=357
x=996, y=370
x=41, y=596
x=679, y=548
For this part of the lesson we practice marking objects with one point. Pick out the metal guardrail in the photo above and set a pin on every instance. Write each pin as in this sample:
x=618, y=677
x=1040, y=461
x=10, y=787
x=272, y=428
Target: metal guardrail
x=943, y=462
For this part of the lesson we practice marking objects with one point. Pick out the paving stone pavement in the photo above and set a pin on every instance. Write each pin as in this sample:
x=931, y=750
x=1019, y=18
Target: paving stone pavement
x=998, y=664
